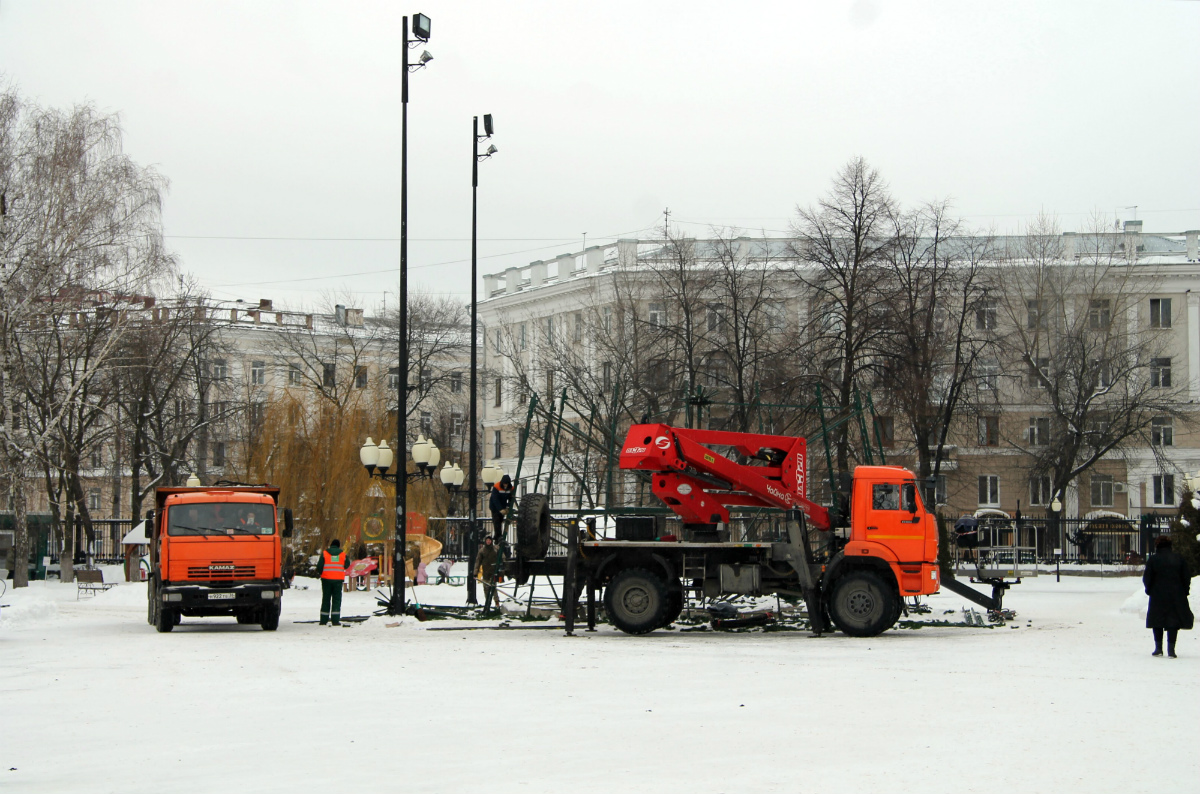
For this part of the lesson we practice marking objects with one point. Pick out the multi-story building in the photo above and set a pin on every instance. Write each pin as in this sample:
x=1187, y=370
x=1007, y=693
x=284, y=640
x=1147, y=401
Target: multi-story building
x=580, y=320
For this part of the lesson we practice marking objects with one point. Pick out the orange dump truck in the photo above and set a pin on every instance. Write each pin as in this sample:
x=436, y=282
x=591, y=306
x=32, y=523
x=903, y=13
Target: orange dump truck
x=216, y=551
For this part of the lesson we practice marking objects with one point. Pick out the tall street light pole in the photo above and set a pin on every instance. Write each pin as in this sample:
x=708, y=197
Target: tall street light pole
x=421, y=34
x=473, y=424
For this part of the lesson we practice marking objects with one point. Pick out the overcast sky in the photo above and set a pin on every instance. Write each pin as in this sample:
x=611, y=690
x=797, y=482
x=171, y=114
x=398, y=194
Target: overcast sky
x=282, y=120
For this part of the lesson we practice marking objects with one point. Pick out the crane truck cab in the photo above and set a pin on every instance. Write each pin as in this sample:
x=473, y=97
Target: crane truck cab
x=216, y=551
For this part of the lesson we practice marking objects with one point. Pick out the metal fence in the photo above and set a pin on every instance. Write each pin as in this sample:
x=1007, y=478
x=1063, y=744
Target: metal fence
x=1104, y=540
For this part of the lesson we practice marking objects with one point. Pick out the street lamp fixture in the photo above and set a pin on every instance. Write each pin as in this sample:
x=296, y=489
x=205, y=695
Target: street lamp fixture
x=193, y=481
x=378, y=458
x=420, y=27
x=1055, y=504
x=491, y=474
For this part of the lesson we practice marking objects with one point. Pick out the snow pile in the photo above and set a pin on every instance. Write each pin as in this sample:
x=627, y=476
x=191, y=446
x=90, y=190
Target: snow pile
x=27, y=612
x=1136, y=604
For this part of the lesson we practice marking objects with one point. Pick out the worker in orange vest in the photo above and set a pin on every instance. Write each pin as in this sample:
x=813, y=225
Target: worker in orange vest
x=332, y=570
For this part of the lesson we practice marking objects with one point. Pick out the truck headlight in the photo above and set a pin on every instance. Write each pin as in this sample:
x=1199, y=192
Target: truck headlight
x=172, y=596
x=268, y=593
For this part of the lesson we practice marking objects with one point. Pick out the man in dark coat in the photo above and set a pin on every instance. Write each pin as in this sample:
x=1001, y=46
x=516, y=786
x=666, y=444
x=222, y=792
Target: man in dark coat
x=485, y=570
x=966, y=535
x=498, y=503
x=1167, y=581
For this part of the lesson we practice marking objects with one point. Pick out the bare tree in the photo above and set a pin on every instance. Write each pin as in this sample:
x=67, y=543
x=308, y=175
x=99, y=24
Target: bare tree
x=841, y=250
x=79, y=221
x=1098, y=381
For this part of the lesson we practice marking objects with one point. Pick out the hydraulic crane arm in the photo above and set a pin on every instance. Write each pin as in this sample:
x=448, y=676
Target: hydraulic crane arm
x=701, y=485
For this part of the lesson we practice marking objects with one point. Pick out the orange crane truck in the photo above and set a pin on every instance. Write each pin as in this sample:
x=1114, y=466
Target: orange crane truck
x=853, y=567
x=216, y=551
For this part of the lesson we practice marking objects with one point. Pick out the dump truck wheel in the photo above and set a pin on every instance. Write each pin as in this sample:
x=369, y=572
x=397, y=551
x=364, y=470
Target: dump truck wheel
x=270, y=617
x=533, y=526
x=165, y=620
x=246, y=618
x=637, y=601
x=862, y=605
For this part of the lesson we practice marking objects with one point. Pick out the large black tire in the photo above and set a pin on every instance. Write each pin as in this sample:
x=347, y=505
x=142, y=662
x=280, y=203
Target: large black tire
x=637, y=601
x=674, y=605
x=270, y=617
x=166, y=619
x=246, y=618
x=533, y=526
x=862, y=605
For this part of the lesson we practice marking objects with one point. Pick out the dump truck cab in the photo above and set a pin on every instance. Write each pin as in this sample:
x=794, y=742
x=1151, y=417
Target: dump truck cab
x=217, y=551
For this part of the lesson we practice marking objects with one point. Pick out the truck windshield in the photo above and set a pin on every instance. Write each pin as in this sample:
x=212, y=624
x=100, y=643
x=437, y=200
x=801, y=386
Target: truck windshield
x=221, y=518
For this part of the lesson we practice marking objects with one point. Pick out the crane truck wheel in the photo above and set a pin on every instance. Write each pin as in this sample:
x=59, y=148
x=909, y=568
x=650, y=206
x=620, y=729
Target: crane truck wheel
x=270, y=617
x=637, y=601
x=674, y=605
x=533, y=526
x=862, y=605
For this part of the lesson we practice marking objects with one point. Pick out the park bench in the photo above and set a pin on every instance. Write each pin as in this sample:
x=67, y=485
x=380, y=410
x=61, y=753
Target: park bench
x=90, y=583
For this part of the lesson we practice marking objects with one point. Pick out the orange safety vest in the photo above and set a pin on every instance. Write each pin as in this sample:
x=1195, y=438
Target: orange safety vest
x=335, y=566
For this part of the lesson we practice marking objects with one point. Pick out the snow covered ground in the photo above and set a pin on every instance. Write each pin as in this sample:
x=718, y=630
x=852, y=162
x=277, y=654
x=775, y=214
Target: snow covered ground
x=1067, y=698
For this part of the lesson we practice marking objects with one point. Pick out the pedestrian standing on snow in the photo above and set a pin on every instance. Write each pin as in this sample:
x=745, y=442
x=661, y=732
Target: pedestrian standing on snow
x=498, y=503
x=485, y=569
x=1167, y=581
x=331, y=568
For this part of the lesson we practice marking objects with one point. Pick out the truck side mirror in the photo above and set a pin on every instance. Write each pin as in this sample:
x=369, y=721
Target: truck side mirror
x=287, y=522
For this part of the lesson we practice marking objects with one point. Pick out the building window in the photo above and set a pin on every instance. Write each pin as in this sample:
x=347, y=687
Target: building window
x=360, y=377
x=1039, y=368
x=218, y=453
x=97, y=458
x=220, y=371
x=426, y=423
x=1102, y=490
x=1036, y=314
x=498, y=340
x=989, y=376
x=550, y=384
x=658, y=314
x=939, y=491
x=1099, y=314
x=456, y=424
x=1162, y=431
x=258, y=413
x=606, y=377
x=989, y=490
x=776, y=316
x=521, y=335
x=456, y=383
x=394, y=379
x=293, y=374
x=499, y=385
x=578, y=326
x=1039, y=431
x=1160, y=373
x=1102, y=372
x=258, y=373
x=608, y=319
x=715, y=317
x=1160, y=312
x=985, y=314
x=989, y=431
x=1039, y=490
x=549, y=330
x=885, y=427
x=94, y=499
x=497, y=446
x=329, y=375
x=426, y=379
x=1164, y=490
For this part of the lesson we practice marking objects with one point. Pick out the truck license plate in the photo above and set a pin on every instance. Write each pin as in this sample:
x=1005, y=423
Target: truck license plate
x=221, y=596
